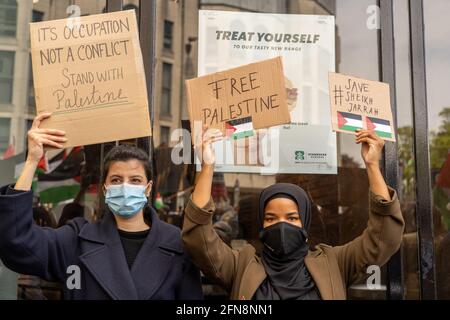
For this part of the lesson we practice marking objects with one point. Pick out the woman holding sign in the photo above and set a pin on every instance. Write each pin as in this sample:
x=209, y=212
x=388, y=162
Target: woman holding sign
x=128, y=254
x=287, y=268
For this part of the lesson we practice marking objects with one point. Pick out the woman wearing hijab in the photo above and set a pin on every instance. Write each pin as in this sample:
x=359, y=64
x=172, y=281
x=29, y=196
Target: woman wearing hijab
x=288, y=268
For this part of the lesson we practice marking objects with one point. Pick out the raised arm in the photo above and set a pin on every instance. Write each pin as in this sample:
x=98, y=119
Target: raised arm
x=213, y=257
x=24, y=246
x=37, y=138
x=205, y=151
x=383, y=235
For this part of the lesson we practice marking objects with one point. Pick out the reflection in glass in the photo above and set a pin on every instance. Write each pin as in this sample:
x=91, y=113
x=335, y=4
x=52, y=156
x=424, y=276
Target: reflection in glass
x=437, y=32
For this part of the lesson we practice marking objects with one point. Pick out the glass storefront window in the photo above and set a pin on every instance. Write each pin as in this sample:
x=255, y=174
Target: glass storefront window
x=341, y=202
x=405, y=131
x=437, y=48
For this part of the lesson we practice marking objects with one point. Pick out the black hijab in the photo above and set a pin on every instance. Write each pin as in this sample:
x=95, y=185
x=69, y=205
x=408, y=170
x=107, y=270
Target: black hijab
x=287, y=276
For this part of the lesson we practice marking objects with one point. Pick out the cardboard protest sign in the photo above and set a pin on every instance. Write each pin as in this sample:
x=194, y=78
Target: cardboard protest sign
x=89, y=73
x=240, y=100
x=360, y=104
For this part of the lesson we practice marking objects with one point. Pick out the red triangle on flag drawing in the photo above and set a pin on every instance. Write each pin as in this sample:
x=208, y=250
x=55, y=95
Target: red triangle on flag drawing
x=229, y=129
x=370, y=125
x=341, y=120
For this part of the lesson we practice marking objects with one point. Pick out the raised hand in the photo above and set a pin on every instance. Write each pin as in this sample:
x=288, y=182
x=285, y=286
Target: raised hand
x=38, y=137
x=371, y=147
x=204, y=145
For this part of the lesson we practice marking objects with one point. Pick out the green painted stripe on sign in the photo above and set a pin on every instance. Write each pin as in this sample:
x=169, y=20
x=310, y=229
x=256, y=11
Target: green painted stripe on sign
x=350, y=128
x=383, y=134
x=242, y=135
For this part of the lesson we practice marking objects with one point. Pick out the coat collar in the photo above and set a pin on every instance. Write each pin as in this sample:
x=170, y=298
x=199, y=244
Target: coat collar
x=317, y=264
x=255, y=274
x=106, y=260
x=326, y=273
x=318, y=268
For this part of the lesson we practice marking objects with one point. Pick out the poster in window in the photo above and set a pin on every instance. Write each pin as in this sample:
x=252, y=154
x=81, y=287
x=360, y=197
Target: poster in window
x=307, y=45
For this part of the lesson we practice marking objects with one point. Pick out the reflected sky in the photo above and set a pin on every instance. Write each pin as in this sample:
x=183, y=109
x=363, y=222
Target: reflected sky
x=437, y=35
x=358, y=56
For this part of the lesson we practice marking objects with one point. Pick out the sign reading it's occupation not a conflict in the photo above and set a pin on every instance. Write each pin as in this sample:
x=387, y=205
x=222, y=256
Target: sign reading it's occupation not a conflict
x=241, y=99
x=89, y=73
x=360, y=104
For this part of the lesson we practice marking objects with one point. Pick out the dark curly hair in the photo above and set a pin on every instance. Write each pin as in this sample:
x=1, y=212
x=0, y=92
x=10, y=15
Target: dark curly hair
x=126, y=153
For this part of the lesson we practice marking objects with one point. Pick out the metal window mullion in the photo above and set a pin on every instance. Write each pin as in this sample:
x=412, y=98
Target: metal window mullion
x=424, y=212
x=147, y=37
x=395, y=289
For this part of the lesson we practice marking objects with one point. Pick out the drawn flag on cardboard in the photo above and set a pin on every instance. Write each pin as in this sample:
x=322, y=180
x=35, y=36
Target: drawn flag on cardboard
x=240, y=128
x=349, y=121
x=381, y=127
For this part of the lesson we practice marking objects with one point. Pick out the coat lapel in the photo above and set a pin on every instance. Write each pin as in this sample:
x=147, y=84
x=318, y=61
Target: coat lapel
x=154, y=259
x=320, y=272
x=105, y=259
x=324, y=273
x=254, y=274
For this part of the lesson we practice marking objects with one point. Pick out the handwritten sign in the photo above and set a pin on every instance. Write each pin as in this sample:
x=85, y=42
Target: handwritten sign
x=360, y=104
x=89, y=73
x=254, y=94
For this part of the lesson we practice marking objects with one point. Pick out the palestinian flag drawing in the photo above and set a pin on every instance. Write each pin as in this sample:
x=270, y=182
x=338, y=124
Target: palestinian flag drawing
x=239, y=128
x=381, y=127
x=349, y=121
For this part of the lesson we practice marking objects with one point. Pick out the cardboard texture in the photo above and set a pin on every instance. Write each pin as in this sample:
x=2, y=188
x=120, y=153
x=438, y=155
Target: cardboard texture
x=89, y=73
x=360, y=104
x=256, y=90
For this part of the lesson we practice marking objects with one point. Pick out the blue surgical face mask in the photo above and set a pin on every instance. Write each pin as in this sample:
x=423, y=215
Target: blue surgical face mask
x=125, y=200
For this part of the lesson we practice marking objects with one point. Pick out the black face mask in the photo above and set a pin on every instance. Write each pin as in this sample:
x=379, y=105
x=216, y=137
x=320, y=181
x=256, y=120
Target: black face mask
x=283, y=239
